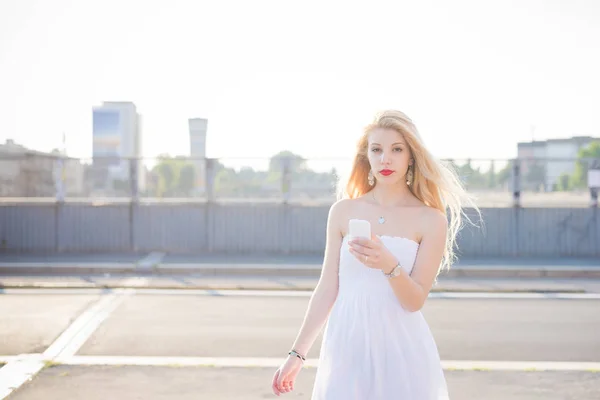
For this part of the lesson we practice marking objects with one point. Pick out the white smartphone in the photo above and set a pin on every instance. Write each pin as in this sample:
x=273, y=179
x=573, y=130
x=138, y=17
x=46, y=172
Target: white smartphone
x=359, y=228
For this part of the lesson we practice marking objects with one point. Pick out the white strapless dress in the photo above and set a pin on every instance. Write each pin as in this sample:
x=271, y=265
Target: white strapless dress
x=373, y=349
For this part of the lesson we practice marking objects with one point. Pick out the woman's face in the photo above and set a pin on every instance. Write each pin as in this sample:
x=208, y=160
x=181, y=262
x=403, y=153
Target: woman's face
x=389, y=156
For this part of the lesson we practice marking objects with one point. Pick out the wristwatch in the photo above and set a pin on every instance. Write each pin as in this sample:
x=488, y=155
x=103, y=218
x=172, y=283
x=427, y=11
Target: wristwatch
x=394, y=272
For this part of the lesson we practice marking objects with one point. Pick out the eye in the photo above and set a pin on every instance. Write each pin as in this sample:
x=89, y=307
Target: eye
x=398, y=149
x=374, y=150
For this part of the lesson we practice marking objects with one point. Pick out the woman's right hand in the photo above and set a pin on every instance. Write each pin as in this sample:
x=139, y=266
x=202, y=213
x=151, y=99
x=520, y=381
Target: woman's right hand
x=285, y=376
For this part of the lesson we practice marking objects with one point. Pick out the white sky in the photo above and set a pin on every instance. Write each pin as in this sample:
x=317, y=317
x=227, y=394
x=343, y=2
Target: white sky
x=474, y=75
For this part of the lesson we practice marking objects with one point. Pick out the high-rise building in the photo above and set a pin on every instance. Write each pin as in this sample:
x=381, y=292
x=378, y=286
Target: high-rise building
x=117, y=139
x=198, y=128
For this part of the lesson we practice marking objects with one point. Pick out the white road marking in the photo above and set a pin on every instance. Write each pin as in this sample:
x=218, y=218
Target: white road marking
x=139, y=283
x=505, y=295
x=83, y=327
x=152, y=260
x=136, y=281
x=23, y=368
x=521, y=365
x=66, y=264
x=61, y=291
x=17, y=372
x=7, y=359
x=273, y=362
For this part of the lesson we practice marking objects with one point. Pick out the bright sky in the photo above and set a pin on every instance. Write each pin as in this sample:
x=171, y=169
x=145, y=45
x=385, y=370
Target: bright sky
x=474, y=75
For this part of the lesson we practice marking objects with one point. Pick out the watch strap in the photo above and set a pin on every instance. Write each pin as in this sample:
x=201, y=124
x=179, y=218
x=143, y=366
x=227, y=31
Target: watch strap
x=394, y=272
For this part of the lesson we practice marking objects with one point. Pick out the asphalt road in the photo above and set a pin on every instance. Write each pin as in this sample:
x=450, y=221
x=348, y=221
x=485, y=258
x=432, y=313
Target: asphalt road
x=184, y=325
x=162, y=383
x=257, y=326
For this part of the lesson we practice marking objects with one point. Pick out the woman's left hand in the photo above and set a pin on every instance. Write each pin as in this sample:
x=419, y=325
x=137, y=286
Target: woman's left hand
x=372, y=253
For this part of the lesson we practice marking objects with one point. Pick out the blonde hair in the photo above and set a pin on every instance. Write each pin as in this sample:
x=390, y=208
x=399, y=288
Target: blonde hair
x=435, y=183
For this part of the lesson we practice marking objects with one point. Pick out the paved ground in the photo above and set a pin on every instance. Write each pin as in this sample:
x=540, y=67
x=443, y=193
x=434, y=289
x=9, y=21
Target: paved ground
x=198, y=281
x=266, y=259
x=159, y=344
x=195, y=325
x=271, y=265
x=29, y=324
x=158, y=383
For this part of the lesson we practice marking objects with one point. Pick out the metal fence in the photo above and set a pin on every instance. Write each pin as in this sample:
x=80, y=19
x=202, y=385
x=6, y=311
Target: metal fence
x=246, y=228
x=527, y=182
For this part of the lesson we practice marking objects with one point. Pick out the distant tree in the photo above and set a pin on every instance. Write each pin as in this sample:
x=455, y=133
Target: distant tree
x=186, y=179
x=472, y=177
x=504, y=174
x=579, y=177
x=176, y=176
x=297, y=162
x=536, y=176
x=249, y=181
x=563, y=183
x=491, y=176
x=166, y=178
x=226, y=181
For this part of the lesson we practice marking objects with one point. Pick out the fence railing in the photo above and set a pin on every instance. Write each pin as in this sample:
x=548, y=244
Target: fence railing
x=562, y=182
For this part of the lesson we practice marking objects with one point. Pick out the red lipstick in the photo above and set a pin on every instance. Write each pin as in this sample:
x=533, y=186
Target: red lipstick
x=386, y=172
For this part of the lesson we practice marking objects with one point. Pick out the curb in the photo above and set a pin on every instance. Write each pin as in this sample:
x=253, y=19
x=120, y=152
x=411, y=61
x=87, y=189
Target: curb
x=219, y=287
x=277, y=270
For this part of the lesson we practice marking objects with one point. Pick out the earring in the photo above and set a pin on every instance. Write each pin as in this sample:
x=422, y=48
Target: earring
x=409, y=175
x=371, y=178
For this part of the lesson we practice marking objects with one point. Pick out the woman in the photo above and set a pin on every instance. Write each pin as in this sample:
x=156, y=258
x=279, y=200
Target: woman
x=377, y=345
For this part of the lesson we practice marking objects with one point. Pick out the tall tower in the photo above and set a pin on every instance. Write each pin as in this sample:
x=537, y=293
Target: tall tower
x=116, y=139
x=198, y=128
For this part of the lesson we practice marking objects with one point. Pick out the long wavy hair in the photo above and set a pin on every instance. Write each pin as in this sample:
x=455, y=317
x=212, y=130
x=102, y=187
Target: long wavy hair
x=434, y=182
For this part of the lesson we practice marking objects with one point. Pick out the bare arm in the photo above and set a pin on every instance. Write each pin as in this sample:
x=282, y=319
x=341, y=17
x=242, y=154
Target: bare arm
x=325, y=293
x=412, y=290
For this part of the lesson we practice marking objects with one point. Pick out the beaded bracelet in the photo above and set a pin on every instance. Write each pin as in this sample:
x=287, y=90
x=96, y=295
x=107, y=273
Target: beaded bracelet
x=295, y=353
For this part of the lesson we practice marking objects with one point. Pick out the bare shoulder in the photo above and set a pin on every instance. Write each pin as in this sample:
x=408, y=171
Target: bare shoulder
x=338, y=212
x=340, y=208
x=434, y=220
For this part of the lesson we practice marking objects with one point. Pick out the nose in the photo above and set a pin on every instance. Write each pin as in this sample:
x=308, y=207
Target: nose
x=383, y=158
